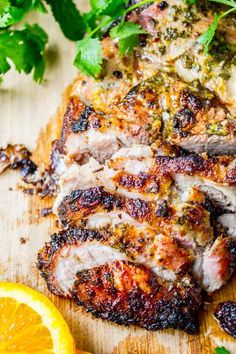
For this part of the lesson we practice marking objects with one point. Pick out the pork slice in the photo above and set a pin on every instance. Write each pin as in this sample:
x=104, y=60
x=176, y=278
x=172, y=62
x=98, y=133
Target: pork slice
x=218, y=263
x=193, y=64
x=111, y=218
x=215, y=144
x=214, y=176
x=69, y=252
x=76, y=176
x=76, y=261
x=76, y=249
x=126, y=173
x=118, y=78
x=97, y=144
x=201, y=123
x=87, y=133
x=222, y=194
x=128, y=293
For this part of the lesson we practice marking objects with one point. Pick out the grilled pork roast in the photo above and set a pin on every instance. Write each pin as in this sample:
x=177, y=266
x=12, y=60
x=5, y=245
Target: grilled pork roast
x=147, y=175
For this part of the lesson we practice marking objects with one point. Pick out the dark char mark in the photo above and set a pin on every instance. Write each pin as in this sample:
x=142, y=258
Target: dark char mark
x=159, y=307
x=81, y=124
x=225, y=315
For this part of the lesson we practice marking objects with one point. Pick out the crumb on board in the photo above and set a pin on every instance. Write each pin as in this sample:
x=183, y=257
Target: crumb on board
x=46, y=211
x=23, y=240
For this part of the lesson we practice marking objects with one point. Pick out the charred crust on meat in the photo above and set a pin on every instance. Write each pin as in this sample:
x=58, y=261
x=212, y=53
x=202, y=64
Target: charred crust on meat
x=231, y=177
x=144, y=182
x=184, y=119
x=17, y=157
x=194, y=215
x=192, y=164
x=189, y=164
x=70, y=236
x=74, y=109
x=191, y=101
x=230, y=245
x=86, y=201
x=81, y=124
x=142, y=300
x=162, y=209
x=225, y=314
x=138, y=209
x=118, y=74
x=27, y=167
x=163, y=5
x=78, y=118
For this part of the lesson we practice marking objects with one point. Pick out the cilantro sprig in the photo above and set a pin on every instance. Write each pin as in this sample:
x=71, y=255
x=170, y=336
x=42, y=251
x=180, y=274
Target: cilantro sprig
x=125, y=33
x=207, y=37
x=24, y=48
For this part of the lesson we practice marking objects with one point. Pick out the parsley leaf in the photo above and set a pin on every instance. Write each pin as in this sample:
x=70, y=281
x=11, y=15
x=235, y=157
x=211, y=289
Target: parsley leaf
x=9, y=15
x=221, y=350
x=4, y=5
x=25, y=49
x=108, y=7
x=89, y=56
x=206, y=38
x=68, y=17
x=98, y=5
x=127, y=35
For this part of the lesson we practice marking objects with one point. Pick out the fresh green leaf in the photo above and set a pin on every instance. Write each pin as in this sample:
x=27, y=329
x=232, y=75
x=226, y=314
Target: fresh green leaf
x=206, y=38
x=225, y=2
x=25, y=49
x=68, y=17
x=127, y=35
x=38, y=6
x=11, y=15
x=126, y=45
x=126, y=29
x=4, y=5
x=190, y=2
x=89, y=19
x=98, y=5
x=221, y=350
x=89, y=56
x=115, y=7
x=108, y=7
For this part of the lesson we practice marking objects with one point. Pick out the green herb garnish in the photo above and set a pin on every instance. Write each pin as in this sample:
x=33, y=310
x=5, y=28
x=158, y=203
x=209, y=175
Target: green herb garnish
x=89, y=56
x=206, y=38
x=221, y=350
x=126, y=33
x=25, y=47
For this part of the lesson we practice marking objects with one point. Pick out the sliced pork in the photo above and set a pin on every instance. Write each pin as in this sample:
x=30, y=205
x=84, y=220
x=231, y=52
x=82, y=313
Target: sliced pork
x=83, y=264
x=214, y=176
x=128, y=293
x=86, y=133
x=147, y=177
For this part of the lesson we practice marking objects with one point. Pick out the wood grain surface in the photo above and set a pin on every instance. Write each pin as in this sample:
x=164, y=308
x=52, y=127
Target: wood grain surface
x=29, y=115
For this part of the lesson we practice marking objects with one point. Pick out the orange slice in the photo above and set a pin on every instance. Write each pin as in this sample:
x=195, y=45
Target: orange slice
x=30, y=323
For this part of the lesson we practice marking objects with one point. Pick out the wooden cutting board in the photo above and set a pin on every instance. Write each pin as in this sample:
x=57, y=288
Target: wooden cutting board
x=29, y=115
